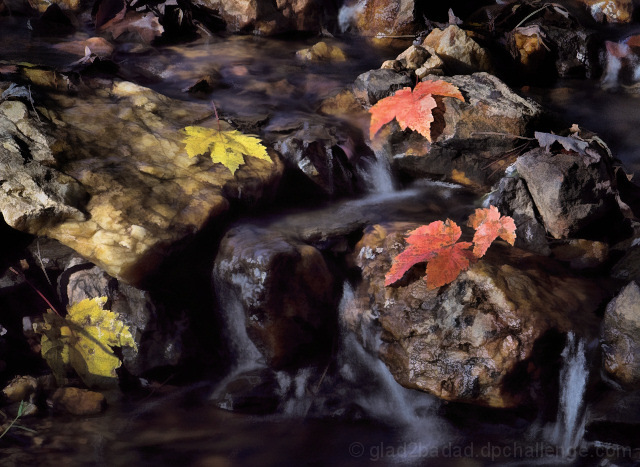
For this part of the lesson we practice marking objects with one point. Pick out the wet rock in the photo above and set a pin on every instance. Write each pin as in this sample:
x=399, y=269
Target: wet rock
x=374, y=85
x=569, y=191
x=471, y=141
x=477, y=339
x=322, y=52
x=460, y=53
x=620, y=338
x=267, y=17
x=610, y=11
x=283, y=287
x=33, y=194
x=512, y=198
x=379, y=18
x=20, y=388
x=122, y=146
x=576, y=50
x=77, y=401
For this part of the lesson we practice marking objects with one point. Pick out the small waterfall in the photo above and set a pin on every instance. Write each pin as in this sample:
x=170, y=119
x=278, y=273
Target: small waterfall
x=348, y=13
x=244, y=354
x=568, y=430
x=377, y=174
x=376, y=390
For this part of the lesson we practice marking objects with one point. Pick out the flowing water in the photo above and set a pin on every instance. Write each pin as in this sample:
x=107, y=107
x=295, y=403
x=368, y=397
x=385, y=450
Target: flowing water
x=356, y=414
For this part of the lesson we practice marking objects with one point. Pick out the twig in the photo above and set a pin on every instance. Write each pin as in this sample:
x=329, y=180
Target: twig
x=495, y=133
x=44, y=270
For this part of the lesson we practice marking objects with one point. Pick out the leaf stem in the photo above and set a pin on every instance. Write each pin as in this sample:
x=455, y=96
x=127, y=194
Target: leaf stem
x=22, y=275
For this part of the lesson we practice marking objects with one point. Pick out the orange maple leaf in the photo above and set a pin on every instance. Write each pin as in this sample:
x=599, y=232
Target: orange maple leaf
x=489, y=225
x=437, y=243
x=412, y=109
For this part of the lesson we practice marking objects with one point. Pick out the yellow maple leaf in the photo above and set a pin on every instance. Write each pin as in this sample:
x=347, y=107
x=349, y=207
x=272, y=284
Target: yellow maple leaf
x=84, y=341
x=225, y=147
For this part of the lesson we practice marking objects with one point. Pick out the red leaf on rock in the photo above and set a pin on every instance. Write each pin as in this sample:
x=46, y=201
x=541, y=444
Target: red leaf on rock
x=435, y=243
x=489, y=225
x=412, y=109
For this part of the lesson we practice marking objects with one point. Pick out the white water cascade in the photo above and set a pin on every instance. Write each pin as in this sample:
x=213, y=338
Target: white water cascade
x=567, y=432
x=377, y=175
x=244, y=353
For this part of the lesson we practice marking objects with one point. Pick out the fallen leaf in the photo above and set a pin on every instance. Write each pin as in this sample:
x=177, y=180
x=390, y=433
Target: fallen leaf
x=437, y=244
x=569, y=143
x=225, y=147
x=489, y=225
x=84, y=340
x=412, y=109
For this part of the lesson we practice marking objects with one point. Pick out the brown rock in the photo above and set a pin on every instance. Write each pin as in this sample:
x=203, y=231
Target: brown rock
x=465, y=341
x=460, y=53
x=78, y=401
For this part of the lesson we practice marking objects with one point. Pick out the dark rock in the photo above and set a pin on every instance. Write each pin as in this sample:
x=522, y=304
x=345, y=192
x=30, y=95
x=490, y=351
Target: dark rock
x=477, y=339
x=620, y=338
x=569, y=191
x=374, y=85
x=324, y=152
x=285, y=290
x=158, y=340
x=576, y=51
x=628, y=267
x=512, y=198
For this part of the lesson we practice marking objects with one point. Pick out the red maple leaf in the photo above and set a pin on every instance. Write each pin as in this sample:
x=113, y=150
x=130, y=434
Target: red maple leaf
x=412, y=109
x=437, y=244
x=489, y=225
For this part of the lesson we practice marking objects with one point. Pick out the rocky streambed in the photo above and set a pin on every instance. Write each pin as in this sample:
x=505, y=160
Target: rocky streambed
x=253, y=297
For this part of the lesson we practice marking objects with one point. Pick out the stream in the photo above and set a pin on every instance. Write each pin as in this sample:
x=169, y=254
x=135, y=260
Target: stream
x=355, y=413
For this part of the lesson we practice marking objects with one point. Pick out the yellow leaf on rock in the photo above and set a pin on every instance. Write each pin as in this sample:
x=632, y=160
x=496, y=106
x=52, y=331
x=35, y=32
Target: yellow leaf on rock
x=84, y=341
x=225, y=147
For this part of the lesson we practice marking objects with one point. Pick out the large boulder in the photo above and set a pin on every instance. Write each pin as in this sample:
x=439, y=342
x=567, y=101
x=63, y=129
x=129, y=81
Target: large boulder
x=620, y=338
x=480, y=339
x=118, y=187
